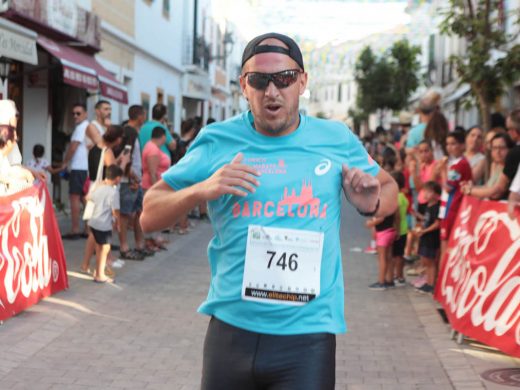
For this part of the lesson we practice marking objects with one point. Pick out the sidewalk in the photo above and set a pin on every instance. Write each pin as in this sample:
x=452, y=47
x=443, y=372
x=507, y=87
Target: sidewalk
x=144, y=332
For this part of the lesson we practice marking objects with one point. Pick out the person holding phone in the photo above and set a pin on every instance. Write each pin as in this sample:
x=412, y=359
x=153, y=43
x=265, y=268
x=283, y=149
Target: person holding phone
x=131, y=192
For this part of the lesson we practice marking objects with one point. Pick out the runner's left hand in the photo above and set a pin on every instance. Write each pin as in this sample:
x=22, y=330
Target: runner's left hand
x=361, y=189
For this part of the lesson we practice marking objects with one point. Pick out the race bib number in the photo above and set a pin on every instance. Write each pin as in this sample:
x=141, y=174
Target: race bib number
x=282, y=266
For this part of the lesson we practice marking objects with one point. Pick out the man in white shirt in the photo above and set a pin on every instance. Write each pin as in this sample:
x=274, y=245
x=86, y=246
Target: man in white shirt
x=77, y=156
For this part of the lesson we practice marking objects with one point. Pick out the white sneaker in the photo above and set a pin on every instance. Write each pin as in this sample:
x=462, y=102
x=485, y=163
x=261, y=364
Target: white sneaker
x=118, y=263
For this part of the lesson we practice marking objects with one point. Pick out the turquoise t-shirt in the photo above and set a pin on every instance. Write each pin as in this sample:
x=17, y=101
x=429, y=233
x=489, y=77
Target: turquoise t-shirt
x=300, y=188
x=416, y=135
x=145, y=134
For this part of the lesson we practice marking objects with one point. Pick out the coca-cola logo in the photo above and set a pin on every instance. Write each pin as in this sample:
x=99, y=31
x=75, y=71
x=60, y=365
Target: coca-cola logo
x=481, y=276
x=24, y=251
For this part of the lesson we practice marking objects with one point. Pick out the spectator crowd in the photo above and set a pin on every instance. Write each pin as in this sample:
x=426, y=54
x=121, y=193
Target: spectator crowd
x=109, y=168
x=434, y=168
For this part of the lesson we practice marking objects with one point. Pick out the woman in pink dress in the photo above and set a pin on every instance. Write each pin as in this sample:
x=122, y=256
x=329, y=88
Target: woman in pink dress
x=155, y=161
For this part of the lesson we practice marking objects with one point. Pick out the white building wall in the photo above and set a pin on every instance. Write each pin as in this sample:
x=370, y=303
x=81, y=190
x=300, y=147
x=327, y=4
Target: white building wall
x=149, y=76
x=36, y=122
x=158, y=48
x=157, y=34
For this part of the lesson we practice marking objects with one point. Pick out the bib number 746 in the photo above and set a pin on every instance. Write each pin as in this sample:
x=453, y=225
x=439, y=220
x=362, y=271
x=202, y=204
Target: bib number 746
x=285, y=260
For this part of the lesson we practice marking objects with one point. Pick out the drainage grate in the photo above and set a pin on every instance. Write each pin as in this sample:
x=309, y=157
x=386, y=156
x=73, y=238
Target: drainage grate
x=503, y=376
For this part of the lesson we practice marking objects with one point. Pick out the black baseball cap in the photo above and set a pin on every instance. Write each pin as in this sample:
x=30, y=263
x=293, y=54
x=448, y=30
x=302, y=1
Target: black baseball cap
x=253, y=48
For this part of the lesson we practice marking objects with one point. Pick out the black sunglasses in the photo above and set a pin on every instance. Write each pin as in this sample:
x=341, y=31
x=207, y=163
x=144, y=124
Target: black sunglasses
x=281, y=79
x=76, y=113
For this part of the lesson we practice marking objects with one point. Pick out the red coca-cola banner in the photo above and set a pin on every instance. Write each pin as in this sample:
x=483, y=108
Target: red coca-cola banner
x=479, y=278
x=32, y=260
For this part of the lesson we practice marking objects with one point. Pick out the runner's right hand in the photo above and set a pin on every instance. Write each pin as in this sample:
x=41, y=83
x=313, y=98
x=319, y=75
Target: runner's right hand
x=232, y=178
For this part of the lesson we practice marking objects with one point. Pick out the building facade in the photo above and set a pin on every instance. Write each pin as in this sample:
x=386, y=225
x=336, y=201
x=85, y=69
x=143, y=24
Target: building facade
x=59, y=52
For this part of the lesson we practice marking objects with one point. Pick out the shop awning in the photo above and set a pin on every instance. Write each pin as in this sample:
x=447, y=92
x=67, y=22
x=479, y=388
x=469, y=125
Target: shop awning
x=83, y=71
x=458, y=94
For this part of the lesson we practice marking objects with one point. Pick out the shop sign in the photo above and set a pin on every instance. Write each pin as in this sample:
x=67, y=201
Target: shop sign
x=79, y=78
x=62, y=15
x=16, y=46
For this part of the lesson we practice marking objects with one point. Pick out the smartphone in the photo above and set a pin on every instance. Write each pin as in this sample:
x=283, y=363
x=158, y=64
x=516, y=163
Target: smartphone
x=127, y=149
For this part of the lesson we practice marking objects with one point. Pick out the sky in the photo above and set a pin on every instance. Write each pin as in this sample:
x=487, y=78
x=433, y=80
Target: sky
x=321, y=21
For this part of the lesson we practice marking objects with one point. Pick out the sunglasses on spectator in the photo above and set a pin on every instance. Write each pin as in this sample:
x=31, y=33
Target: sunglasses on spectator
x=281, y=80
x=76, y=113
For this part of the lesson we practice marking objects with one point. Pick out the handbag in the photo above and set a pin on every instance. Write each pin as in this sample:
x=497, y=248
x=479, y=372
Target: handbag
x=86, y=186
x=89, y=205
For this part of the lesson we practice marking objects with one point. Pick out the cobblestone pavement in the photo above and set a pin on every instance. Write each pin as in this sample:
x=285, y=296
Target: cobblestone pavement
x=144, y=332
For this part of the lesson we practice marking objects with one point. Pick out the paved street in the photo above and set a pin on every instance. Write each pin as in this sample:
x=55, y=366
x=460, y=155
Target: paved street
x=144, y=332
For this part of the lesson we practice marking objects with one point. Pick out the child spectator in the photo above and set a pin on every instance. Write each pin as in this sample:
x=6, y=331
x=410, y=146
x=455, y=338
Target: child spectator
x=402, y=230
x=40, y=164
x=429, y=235
x=454, y=171
x=385, y=235
x=106, y=207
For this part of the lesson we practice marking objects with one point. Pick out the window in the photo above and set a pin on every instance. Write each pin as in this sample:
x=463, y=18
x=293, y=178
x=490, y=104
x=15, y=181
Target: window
x=160, y=95
x=171, y=111
x=339, y=93
x=166, y=8
x=145, y=102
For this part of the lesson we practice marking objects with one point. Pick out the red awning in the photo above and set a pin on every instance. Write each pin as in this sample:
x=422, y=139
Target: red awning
x=83, y=71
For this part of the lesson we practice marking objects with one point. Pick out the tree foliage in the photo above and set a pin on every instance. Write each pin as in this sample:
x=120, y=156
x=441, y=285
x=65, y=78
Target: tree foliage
x=386, y=82
x=491, y=60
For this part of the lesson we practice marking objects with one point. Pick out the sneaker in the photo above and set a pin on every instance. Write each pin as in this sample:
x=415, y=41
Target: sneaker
x=415, y=271
x=400, y=282
x=390, y=284
x=419, y=282
x=131, y=255
x=377, y=286
x=118, y=263
x=370, y=250
x=425, y=289
x=408, y=259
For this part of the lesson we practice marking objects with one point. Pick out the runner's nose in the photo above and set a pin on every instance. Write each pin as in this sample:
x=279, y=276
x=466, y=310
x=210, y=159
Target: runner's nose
x=271, y=89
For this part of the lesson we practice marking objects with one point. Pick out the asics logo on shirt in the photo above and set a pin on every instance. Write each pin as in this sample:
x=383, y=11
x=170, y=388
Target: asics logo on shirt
x=323, y=167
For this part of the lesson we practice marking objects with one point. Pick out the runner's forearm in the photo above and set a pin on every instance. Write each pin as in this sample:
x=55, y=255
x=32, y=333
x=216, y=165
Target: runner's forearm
x=163, y=207
x=388, y=195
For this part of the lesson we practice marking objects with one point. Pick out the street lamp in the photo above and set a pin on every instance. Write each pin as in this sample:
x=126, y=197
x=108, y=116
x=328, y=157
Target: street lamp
x=228, y=42
x=5, y=67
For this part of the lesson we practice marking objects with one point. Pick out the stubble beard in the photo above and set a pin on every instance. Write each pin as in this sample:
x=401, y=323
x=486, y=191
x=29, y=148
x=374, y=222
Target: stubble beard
x=278, y=126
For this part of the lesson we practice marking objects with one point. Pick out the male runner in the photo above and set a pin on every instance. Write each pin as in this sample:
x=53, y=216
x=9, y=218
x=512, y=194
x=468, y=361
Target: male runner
x=273, y=179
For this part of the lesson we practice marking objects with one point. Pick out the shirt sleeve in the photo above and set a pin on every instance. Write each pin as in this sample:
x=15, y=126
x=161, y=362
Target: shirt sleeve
x=79, y=133
x=358, y=156
x=115, y=200
x=194, y=167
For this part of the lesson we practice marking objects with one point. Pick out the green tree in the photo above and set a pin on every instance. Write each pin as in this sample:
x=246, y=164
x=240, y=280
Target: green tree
x=386, y=82
x=406, y=66
x=491, y=61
